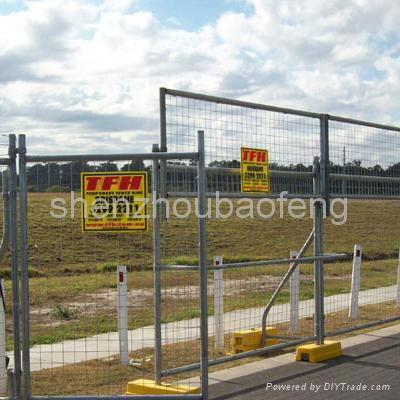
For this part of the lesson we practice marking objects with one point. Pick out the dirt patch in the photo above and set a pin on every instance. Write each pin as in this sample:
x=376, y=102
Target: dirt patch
x=106, y=300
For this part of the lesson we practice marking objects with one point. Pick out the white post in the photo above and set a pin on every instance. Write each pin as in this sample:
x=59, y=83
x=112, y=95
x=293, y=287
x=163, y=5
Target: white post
x=398, y=283
x=294, y=296
x=3, y=368
x=355, y=282
x=122, y=305
x=218, y=305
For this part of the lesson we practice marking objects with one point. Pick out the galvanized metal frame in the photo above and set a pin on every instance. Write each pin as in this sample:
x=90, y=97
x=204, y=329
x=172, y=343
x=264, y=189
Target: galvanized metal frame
x=12, y=151
x=21, y=280
x=321, y=175
x=159, y=157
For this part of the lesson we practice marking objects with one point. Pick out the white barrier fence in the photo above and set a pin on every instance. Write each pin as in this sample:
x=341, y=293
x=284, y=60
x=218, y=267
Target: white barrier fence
x=122, y=305
x=219, y=305
x=294, y=296
x=355, y=282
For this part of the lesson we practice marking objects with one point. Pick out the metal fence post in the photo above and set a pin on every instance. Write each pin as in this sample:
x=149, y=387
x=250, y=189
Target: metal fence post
x=6, y=214
x=3, y=367
x=318, y=264
x=163, y=147
x=12, y=151
x=398, y=283
x=156, y=269
x=23, y=213
x=201, y=192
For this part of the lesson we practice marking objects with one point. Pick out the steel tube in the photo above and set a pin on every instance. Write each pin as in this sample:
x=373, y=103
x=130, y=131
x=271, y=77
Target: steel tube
x=112, y=157
x=361, y=326
x=202, y=228
x=369, y=178
x=6, y=215
x=127, y=397
x=258, y=106
x=239, y=356
x=23, y=221
x=259, y=263
x=365, y=197
x=236, y=171
x=14, y=264
x=293, y=265
x=364, y=123
x=156, y=271
x=318, y=264
x=163, y=142
x=239, y=103
x=237, y=195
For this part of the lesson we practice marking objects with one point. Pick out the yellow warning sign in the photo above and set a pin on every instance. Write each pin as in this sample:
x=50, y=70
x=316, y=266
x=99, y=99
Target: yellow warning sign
x=114, y=201
x=254, y=171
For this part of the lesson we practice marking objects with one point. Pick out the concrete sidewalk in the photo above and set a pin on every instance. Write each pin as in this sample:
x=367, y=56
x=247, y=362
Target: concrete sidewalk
x=370, y=359
x=106, y=345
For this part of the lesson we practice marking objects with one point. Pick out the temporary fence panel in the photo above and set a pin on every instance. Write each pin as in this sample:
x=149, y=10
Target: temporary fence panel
x=364, y=169
x=292, y=139
x=348, y=152
x=70, y=340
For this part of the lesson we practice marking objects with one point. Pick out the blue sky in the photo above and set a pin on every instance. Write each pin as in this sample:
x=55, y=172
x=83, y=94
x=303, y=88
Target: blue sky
x=189, y=14
x=192, y=14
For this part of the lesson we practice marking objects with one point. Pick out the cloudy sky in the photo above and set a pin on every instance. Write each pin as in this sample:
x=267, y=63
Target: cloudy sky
x=84, y=75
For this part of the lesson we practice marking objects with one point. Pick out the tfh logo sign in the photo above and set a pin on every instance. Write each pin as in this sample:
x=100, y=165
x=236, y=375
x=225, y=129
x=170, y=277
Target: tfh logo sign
x=259, y=156
x=113, y=182
x=254, y=170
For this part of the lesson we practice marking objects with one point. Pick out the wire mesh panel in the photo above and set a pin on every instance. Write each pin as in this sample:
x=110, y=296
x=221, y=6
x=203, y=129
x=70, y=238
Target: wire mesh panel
x=364, y=165
x=73, y=289
x=367, y=156
x=292, y=141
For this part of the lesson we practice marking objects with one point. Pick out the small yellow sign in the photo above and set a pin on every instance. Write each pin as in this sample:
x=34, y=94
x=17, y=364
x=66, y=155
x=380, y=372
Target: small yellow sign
x=254, y=170
x=114, y=201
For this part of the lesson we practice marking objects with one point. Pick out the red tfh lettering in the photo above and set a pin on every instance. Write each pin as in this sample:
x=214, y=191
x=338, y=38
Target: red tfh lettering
x=92, y=182
x=261, y=156
x=130, y=182
x=252, y=155
x=107, y=182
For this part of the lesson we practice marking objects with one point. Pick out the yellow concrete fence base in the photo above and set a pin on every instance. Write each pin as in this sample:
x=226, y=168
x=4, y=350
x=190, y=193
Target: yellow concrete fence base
x=251, y=339
x=147, y=386
x=316, y=353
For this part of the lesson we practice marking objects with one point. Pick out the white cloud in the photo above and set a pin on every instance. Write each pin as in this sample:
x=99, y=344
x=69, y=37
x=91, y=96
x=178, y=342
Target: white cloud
x=82, y=68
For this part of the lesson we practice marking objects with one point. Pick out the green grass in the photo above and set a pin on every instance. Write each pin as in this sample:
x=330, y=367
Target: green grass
x=68, y=267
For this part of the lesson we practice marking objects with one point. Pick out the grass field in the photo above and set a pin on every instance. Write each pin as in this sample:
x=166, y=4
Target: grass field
x=73, y=282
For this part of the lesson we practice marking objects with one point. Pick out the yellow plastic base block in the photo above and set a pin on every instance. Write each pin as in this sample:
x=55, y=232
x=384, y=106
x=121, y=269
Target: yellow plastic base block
x=251, y=339
x=146, y=386
x=316, y=353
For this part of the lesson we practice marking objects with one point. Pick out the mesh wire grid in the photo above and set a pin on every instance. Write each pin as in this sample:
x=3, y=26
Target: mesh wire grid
x=292, y=141
x=73, y=295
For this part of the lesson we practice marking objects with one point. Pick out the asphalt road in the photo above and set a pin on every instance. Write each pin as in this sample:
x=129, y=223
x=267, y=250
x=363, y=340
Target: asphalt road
x=360, y=374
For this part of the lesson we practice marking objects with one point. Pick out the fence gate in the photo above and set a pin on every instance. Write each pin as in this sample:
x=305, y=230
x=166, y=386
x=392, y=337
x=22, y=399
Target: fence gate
x=84, y=300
